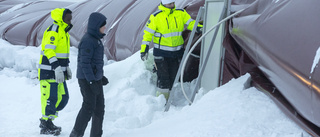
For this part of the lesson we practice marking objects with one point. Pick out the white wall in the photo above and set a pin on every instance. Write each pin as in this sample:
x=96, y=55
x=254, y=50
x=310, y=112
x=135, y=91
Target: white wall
x=211, y=74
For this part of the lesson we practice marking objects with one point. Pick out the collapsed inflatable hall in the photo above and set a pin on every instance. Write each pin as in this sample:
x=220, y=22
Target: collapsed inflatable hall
x=22, y=22
x=278, y=43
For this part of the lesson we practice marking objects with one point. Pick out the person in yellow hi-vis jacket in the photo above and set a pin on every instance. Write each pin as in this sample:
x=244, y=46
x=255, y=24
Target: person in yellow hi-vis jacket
x=165, y=27
x=54, y=69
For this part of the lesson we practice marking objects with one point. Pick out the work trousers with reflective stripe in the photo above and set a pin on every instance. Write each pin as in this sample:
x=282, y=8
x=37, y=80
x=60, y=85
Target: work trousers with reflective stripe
x=92, y=107
x=166, y=71
x=54, y=97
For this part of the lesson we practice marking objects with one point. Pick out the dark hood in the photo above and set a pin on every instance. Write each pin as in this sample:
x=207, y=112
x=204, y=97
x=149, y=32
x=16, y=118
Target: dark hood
x=95, y=21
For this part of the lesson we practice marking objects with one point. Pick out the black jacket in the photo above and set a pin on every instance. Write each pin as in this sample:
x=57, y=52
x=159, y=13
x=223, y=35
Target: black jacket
x=91, y=50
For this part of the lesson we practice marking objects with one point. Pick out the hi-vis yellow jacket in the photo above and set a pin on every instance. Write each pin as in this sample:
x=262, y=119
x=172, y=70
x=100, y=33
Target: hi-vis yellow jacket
x=165, y=26
x=55, y=46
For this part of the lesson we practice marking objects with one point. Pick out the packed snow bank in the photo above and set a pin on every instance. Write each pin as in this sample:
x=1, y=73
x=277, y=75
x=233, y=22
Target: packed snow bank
x=227, y=111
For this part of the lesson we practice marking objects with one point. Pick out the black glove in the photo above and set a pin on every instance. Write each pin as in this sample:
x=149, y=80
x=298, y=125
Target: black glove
x=154, y=70
x=144, y=55
x=105, y=81
x=199, y=30
x=96, y=87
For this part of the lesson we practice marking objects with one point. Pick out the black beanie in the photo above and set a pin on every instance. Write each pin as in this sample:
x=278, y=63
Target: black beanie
x=104, y=23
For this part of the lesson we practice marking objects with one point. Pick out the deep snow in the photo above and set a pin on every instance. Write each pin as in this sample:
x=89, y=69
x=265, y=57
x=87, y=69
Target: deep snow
x=131, y=107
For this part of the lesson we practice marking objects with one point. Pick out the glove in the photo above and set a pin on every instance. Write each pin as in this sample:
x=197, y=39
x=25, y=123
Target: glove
x=199, y=30
x=96, y=87
x=144, y=55
x=154, y=70
x=69, y=73
x=59, y=75
x=105, y=81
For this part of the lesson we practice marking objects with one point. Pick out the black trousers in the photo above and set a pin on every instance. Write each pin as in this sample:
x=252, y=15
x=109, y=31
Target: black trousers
x=166, y=71
x=92, y=107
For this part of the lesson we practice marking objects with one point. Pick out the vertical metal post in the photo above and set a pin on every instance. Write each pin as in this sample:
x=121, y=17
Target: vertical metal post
x=227, y=13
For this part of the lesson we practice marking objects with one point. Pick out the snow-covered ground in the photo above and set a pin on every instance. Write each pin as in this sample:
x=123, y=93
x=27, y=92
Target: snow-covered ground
x=132, y=110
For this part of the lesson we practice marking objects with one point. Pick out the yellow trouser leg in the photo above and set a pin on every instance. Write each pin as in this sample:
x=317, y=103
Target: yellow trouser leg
x=51, y=96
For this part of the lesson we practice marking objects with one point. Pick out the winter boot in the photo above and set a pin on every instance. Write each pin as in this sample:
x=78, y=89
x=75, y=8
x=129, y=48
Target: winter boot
x=75, y=134
x=164, y=92
x=48, y=128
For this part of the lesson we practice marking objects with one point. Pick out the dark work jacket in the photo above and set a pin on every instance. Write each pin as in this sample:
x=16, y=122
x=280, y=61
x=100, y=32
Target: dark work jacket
x=91, y=50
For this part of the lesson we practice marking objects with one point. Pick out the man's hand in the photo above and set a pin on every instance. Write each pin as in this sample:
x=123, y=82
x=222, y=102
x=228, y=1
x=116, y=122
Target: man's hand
x=69, y=73
x=144, y=55
x=199, y=30
x=59, y=75
x=105, y=81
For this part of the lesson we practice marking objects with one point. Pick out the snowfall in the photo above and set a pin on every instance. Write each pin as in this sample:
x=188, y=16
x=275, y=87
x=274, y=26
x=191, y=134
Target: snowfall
x=131, y=107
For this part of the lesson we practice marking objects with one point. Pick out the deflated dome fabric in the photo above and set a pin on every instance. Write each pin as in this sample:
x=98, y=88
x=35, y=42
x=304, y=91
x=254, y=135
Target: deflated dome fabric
x=23, y=22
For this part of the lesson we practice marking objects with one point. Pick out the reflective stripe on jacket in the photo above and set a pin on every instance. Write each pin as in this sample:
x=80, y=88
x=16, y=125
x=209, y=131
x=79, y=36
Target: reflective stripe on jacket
x=165, y=26
x=55, y=47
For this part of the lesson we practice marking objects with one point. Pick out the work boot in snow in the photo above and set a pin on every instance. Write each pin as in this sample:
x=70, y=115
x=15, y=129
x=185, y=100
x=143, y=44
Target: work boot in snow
x=164, y=92
x=48, y=128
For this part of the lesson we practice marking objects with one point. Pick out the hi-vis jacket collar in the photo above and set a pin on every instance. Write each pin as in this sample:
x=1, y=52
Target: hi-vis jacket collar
x=165, y=9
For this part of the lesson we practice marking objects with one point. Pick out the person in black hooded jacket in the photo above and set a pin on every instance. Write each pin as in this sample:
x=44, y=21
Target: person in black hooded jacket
x=90, y=77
